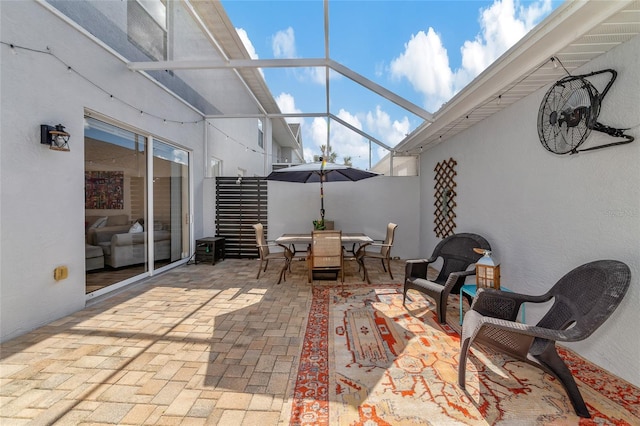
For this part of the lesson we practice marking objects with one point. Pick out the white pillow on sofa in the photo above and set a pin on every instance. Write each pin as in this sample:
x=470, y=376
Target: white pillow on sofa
x=100, y=223
x=136, y=228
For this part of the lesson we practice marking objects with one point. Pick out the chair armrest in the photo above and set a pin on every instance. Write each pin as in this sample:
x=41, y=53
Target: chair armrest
x=453, y=278
x=502, y=304
x=269, y=244
x=287, y=250
x=568, y=335
x=382, y=244
x=362, y=249
x=417, y=268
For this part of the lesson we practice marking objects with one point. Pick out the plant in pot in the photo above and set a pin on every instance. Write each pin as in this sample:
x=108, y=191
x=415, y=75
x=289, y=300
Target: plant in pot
x=318, y=225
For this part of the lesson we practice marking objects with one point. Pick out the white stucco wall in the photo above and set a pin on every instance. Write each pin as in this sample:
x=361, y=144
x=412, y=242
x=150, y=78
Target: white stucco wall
x=42, y=193
x=545, y=214
x=364, y=206
x=235, y=142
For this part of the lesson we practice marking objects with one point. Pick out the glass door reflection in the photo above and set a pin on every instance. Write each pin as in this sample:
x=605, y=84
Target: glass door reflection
x=170, y=203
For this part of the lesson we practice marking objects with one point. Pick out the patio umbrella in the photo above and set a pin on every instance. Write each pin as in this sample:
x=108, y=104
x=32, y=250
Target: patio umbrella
x=320, y=171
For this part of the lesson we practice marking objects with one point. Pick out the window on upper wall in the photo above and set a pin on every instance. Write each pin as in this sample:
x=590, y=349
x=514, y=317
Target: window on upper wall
x=215, y=167
x=260, y=135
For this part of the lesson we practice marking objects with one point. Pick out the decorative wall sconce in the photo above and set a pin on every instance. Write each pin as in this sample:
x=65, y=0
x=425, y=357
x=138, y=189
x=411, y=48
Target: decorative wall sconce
x=55, y=137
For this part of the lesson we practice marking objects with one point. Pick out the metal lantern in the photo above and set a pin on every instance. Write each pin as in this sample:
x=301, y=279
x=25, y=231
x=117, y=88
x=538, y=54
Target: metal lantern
x=487, y=271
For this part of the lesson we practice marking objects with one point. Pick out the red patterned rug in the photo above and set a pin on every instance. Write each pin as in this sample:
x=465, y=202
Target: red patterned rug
x=367, y=360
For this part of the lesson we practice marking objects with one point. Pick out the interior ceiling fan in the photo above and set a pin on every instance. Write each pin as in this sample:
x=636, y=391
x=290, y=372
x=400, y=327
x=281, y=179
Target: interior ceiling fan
x=569, y=112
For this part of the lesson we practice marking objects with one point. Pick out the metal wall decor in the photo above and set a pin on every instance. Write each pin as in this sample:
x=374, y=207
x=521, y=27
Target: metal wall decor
x=445, y=198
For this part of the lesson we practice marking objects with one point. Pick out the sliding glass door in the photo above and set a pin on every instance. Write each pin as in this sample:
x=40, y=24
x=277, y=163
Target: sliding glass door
x=137, y=216
x=171, y=199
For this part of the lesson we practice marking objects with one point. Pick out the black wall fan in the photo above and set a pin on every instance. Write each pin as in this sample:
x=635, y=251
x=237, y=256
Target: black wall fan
x=569, y=112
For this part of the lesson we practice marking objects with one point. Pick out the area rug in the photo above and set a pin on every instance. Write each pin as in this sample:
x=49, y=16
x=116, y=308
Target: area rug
x=368, y=360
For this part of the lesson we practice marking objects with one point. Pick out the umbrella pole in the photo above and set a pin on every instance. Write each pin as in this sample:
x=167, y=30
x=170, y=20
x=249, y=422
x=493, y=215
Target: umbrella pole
x=321, y=198
x=322, y=164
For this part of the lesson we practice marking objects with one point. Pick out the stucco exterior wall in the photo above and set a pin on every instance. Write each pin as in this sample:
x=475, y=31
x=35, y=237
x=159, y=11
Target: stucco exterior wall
x=42, y=191
x=235, y=142
x=545, y=214
x=364, y=206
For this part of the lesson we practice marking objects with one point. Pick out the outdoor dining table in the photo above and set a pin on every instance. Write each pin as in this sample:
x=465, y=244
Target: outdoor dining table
x=355, y=239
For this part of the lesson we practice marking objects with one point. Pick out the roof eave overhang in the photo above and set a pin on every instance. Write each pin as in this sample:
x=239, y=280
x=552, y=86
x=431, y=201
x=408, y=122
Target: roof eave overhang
x=567, y=23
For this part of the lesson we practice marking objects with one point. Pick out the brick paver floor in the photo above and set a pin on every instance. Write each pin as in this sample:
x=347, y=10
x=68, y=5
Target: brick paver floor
x=199, y=344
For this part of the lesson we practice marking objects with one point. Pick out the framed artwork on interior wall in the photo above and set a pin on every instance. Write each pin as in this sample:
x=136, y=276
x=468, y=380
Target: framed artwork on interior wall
x=104, y=190
x=445, y=195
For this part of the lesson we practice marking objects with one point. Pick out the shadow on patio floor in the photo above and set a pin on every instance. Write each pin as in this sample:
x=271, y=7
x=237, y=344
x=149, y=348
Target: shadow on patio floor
x=201, y=343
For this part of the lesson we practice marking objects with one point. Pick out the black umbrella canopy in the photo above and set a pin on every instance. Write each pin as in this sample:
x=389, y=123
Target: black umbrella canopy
x=311, y=172
x=320, y=172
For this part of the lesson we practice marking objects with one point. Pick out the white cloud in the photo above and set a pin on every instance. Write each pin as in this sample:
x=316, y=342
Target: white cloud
x=287, y=104
x=284, y=44
x=535, y=12
x=347, y=143
x=500, y=29
x=317, y=75
x=344, y=141
x=390, y=133
x=425, y=62
x=247, y=43
x=284, y=47
x=244, y=37
x=314, y=137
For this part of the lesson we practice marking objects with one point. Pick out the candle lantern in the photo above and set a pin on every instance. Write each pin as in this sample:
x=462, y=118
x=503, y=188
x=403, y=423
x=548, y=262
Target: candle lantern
x=487, y=271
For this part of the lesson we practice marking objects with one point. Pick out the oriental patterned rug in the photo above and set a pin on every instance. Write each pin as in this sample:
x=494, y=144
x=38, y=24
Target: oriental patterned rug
x=367, y=360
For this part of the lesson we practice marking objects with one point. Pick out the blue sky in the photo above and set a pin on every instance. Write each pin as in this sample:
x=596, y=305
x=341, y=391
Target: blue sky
x=424, y=51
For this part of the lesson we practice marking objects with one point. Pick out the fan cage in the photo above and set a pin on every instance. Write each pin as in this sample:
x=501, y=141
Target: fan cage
x=568, y=113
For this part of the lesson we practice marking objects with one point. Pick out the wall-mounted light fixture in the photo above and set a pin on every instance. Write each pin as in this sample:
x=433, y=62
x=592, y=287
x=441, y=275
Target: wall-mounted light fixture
x=55, y=137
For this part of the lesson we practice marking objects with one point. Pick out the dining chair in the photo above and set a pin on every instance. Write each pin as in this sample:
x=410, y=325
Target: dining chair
x=325, y=254
x=266, y=254
x=378, y=250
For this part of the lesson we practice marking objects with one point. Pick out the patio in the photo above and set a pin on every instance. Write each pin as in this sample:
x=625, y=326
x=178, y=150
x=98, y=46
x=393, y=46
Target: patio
x=145, y=355
x=137, y=358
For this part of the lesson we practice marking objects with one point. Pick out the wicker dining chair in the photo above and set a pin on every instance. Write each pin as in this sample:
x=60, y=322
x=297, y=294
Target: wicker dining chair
x=266, y=254
x=325, y=253
x=457, y=254
x=582, y=300
x=378, y=250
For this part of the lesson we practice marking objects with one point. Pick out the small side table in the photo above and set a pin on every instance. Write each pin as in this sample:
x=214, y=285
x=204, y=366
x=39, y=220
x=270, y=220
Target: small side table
x=470, y=289
x=210, y=249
